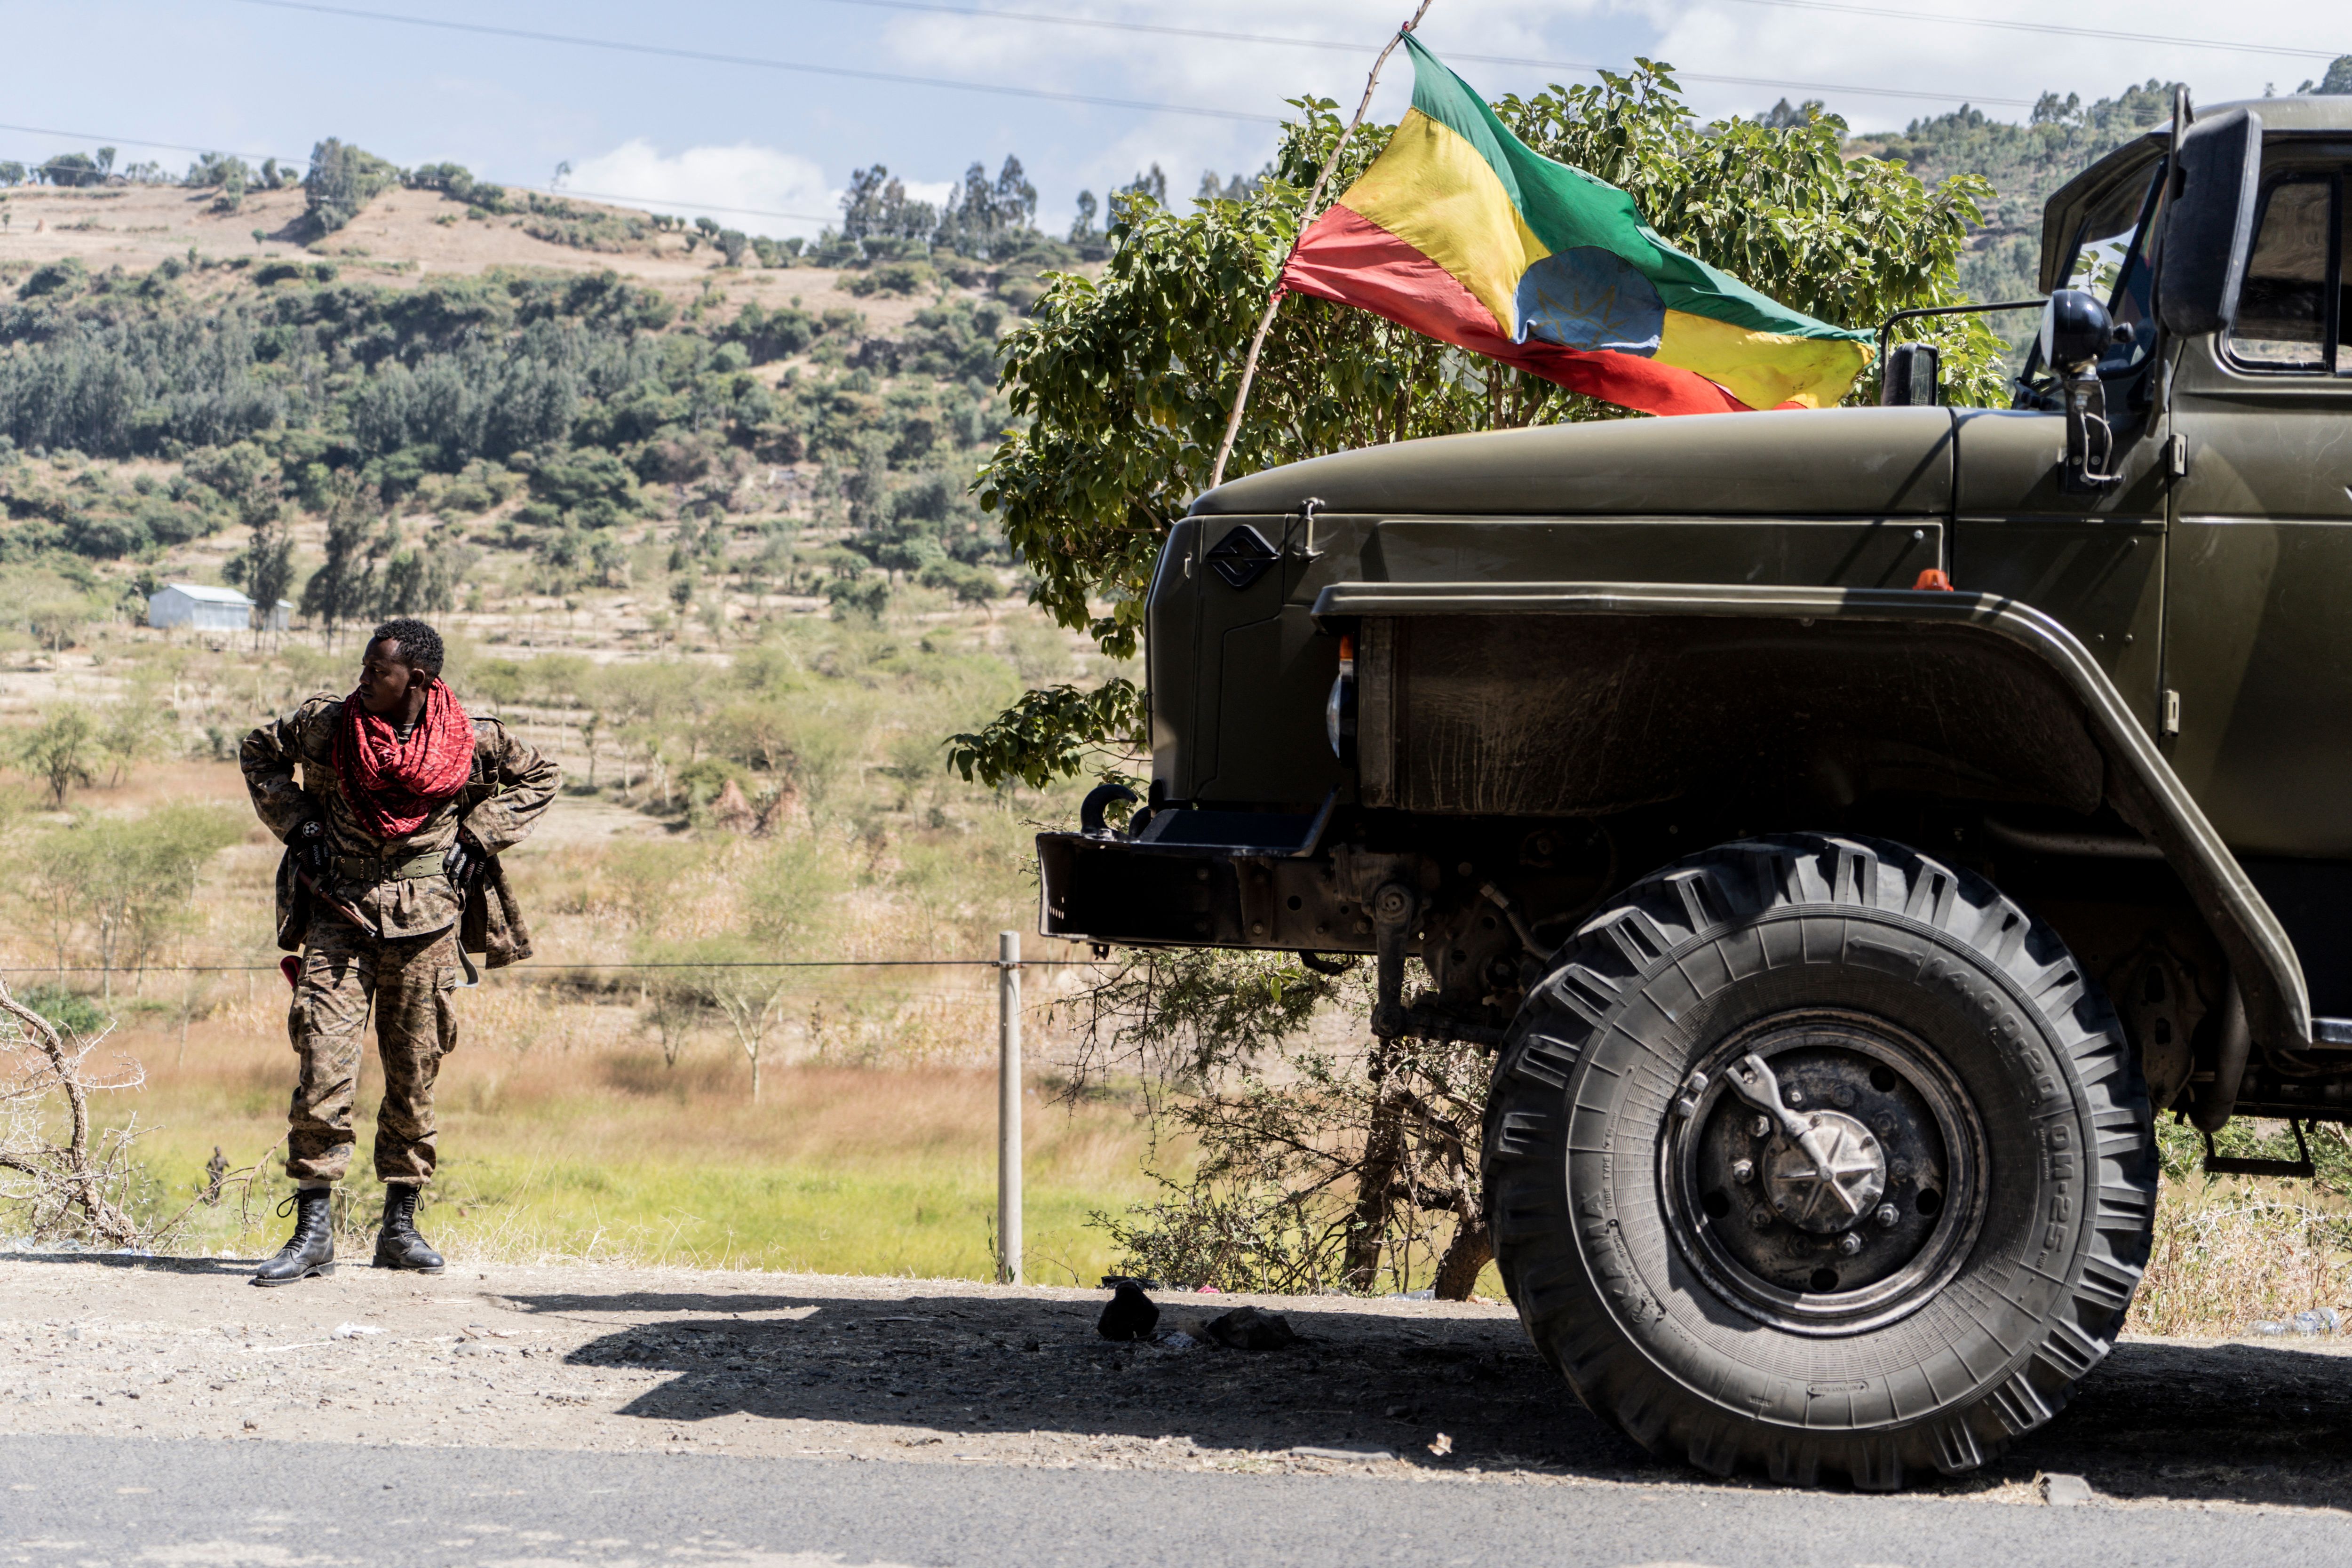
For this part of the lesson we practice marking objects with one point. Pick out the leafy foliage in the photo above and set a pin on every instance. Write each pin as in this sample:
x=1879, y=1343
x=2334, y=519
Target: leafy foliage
x=1052, y=732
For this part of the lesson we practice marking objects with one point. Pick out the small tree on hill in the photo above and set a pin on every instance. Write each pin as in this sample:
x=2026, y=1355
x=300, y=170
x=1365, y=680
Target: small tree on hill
x=342, y=180
x=59, y=751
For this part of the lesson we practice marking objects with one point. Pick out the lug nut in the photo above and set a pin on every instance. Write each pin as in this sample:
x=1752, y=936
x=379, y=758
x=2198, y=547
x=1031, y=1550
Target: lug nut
x=1760, y=1218
x=1885, y=1216
x=1849, y=1244
x=1885, y=1122
x=1762, y=1127
x=1795, y=1097
x=1743, y=1170
x=1842, y=1096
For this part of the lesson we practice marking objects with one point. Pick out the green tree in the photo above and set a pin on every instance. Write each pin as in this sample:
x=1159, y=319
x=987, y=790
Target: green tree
x=135, y=727
x=1124, y=382
x=122, y=886
x=344, y=584
x=58, y=750
x=342, y=180
x=2338, y=80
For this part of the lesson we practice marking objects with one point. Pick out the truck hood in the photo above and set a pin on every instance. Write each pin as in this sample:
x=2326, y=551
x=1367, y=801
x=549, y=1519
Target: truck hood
x=1831, y=462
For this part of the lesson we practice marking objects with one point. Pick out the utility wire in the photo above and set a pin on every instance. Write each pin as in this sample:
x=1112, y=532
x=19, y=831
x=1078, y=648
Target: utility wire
x=1358, y=47
x=757, y=62
x=2060, y=29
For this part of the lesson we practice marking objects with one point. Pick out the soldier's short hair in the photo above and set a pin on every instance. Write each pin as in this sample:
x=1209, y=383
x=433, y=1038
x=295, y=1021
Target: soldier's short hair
x=420, y=645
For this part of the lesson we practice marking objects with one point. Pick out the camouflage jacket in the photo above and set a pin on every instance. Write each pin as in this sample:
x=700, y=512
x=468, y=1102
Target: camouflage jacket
x=398, y=884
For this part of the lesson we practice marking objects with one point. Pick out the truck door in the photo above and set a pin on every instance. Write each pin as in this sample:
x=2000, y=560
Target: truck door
x=2092, y=560
x=2258, y=640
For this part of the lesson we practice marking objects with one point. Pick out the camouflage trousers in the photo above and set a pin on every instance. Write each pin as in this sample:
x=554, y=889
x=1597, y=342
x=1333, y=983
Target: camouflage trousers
x=409, y=982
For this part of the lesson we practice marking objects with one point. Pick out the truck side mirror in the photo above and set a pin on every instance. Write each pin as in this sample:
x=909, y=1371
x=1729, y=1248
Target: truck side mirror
x=1912, y=377
x=2209, y=223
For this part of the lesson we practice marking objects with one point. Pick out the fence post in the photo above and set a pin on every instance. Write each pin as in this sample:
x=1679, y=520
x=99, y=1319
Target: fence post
x=1008, y=1106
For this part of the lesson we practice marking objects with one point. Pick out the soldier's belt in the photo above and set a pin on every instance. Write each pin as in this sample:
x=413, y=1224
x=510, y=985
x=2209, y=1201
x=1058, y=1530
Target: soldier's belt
x=372, y=869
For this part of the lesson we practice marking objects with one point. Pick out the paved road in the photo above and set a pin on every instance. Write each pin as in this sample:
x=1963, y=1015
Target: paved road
x=67, y=1499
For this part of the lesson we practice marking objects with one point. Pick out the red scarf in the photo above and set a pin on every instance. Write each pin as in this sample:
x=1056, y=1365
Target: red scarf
x=394, y=785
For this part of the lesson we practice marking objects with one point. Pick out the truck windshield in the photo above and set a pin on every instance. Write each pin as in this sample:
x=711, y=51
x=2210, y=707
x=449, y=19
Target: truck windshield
x=2114, y=260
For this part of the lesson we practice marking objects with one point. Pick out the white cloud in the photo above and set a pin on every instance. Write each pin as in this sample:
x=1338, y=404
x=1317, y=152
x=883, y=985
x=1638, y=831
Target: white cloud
x=760, y=190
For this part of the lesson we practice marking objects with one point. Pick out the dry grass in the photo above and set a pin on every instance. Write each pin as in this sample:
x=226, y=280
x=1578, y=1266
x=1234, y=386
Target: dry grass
x=2235, y=1251
x=581, y=1142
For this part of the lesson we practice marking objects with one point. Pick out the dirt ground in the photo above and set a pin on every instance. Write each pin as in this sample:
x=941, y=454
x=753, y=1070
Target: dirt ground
x=609, y=1359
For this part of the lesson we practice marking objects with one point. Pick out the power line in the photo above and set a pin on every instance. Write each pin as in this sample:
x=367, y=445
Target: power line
x=2058, y=28
x=757, y=62
x=1278, y=40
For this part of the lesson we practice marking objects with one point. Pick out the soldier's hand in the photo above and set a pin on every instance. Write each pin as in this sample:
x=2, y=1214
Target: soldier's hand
x=312, y=851
x=464, y=861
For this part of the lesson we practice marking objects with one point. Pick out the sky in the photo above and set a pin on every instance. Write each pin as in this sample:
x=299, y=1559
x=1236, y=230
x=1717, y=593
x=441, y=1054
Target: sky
x=769, y=149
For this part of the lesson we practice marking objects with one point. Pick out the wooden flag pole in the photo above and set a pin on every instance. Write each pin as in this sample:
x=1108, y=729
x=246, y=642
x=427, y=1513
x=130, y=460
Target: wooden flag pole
x=1314, y=199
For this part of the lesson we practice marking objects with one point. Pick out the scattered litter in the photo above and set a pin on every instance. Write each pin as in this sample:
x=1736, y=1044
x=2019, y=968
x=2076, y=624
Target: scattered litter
x=353, y=1330
x=2318, y=1321
x=1206, y=1290
x=2065, y=1492
x=1249, y=1328
x=1178, y=1341
x=1429, y=1295
x=1129, y=1315
x=1442, y=1446
x=1352, y=1456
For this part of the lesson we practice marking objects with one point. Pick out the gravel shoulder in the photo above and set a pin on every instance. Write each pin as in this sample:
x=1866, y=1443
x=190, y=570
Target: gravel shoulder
x=634, y=1360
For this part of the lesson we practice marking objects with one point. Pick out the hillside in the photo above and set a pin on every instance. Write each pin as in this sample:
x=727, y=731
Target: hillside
x=2026, y=163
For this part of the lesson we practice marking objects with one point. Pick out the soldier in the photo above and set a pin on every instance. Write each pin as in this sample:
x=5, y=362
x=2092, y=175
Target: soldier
x=391, y=834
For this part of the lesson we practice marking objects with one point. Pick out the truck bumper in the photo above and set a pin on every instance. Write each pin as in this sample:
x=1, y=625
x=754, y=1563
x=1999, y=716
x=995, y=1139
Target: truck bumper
x=1186, y=883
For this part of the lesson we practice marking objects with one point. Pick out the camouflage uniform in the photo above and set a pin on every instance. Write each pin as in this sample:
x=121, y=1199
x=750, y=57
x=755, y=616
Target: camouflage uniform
x=405, y=963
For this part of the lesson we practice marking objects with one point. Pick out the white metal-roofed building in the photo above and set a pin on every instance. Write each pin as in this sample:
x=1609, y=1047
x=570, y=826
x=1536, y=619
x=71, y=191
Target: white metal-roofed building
x=208, y=609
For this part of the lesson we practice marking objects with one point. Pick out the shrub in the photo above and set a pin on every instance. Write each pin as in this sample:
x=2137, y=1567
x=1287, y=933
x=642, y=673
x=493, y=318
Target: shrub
x=893, y=277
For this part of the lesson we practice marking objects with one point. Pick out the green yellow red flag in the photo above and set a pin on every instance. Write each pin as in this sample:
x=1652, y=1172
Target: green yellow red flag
x=1462, y=231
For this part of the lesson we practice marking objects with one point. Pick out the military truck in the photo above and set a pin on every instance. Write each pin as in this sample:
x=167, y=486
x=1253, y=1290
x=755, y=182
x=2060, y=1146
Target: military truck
x=1850, y=828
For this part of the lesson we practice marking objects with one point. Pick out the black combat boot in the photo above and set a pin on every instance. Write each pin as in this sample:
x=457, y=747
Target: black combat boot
x=312, y=1249
x=398, y=1246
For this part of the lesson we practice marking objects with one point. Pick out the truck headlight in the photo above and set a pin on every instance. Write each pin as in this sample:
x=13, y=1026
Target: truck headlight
x=1339, y=709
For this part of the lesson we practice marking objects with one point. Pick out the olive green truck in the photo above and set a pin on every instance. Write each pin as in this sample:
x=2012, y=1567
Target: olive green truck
x=1840, y=935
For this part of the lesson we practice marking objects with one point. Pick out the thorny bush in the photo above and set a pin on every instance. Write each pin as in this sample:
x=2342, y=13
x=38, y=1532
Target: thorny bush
x=78, y=1188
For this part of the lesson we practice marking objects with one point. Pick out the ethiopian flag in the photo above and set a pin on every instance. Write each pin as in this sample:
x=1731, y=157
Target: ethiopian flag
x=1460, y=230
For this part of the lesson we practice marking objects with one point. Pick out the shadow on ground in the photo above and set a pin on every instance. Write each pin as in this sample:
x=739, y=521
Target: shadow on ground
x=980, y=1365
x=2230, y=1422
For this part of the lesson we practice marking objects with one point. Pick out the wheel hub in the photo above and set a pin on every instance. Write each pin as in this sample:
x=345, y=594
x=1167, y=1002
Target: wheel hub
x=1823, y=1172
x=1858, y=1175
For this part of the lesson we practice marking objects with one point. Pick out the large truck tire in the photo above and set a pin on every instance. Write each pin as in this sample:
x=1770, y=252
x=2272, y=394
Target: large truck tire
x=1904, y=1264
